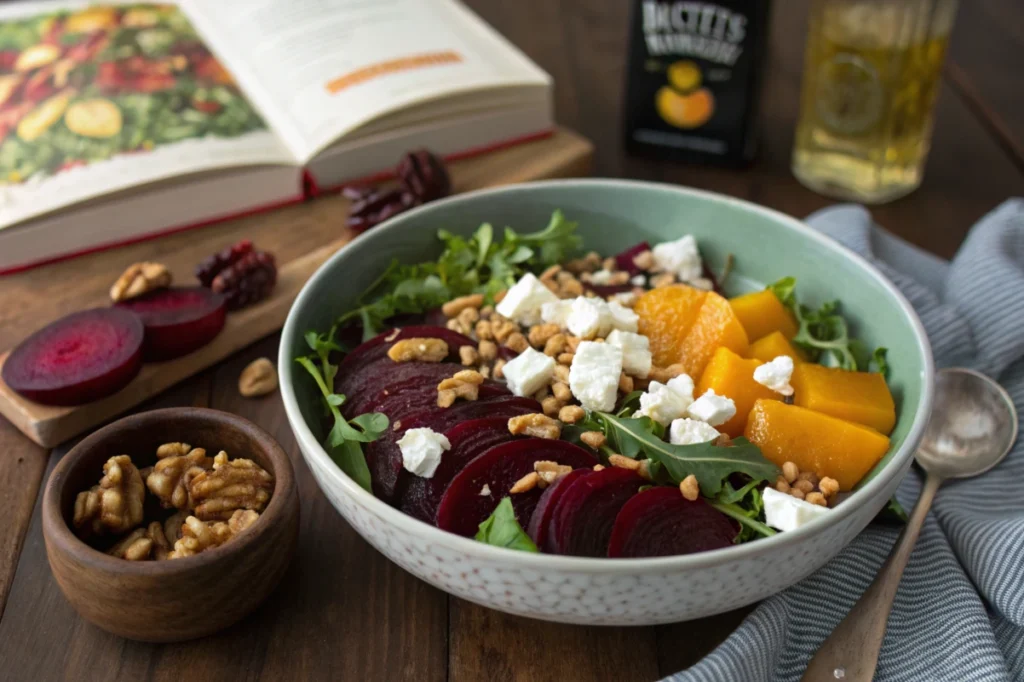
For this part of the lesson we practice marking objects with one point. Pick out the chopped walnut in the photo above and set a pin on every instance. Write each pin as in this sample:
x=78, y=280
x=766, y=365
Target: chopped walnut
x=690, y=488
x=589, y=263
x=172, y=450
x=554, y=345
x=526, y=483
x=662, y=280
x=640, y=466
x=468, y=355
x=198, y=535
x=135, y=546
x=550, y=273
x=503, y=329
x=517, y=342
x=573, y=342
x=500, y=296
x=173, y=525
x=536, y=425
x=549, y=471
x=644, y=260
x=257, y=379
x=484, y=330
x=828, y=486
x=663, y=374
x=551, y=405
x=488, y=350
x=171, y=474
x=565, y=359
x=464, y=384
x=625, y=383
x=232, y=485
x=115, y=505
x=138, y=279
x=469, y=317
x=161, y=545
x=570, y=414
x=561, y=391
x=562, y=373
x=457, y=305
x=594, y=439
x=499, y=369
x=542, y=393
x=418, y=350
x=540, y=334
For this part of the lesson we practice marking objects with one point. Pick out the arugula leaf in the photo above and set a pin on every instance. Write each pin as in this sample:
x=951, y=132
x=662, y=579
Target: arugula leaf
x=824, y=334
x=892, y=513
x=502, y=530
x=750, y=525
x=342, y=443
x=630, y=404
x=480, y=264
x=708, y=462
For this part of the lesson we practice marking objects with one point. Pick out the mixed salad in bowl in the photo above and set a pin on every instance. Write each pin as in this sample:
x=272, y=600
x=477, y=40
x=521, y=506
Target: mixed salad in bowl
x=529, y=394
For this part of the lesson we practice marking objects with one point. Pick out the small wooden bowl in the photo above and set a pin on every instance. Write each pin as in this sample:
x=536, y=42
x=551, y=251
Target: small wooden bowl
x=177, y=599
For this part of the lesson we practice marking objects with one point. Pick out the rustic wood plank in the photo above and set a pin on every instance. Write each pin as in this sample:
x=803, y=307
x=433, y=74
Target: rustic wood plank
x=680, y=645
x=21, y=473
x=41, y=636
x=981, y=67
x=491, y=645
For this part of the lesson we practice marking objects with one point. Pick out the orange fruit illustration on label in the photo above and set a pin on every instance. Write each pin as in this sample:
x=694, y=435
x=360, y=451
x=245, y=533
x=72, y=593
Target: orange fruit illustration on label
x=684, y=76
x=685, y=111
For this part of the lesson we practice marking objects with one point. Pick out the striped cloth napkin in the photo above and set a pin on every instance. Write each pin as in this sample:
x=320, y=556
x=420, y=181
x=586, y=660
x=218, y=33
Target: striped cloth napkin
x=959, y=611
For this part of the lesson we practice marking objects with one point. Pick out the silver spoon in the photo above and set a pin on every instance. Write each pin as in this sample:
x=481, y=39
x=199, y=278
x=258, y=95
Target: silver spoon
x=972, y=427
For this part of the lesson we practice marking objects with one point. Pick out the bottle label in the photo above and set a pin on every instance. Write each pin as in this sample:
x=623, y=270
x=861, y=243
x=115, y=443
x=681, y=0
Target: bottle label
x=690, y=71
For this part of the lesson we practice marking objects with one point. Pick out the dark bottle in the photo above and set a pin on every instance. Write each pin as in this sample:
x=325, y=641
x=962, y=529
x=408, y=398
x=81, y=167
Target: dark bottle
x=694, y=78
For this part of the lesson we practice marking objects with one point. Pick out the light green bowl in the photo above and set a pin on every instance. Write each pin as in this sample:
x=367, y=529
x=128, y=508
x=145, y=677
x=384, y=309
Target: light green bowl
x=613, y=215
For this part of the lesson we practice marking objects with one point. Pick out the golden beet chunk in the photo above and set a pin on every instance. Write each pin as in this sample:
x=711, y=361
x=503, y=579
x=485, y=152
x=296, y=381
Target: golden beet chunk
x=861, y=397
x=814, y=441
x=732, y=376
x=762, y=313
x=774, y=345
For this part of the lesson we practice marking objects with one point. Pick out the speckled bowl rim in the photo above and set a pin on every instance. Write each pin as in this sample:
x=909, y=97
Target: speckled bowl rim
x=378, y=238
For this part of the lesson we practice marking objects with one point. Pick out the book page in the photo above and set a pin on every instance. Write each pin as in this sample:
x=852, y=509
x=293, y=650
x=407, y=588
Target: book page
x=95, y=99
x=321, y=69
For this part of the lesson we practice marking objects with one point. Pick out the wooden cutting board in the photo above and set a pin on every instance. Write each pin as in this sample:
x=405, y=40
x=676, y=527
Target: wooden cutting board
x=301, y=237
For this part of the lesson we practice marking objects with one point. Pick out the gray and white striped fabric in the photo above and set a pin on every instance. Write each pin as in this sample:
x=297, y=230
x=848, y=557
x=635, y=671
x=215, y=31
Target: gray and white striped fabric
x=959, y=611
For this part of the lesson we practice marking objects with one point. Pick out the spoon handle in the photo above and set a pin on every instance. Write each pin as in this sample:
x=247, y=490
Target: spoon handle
x=850, y=653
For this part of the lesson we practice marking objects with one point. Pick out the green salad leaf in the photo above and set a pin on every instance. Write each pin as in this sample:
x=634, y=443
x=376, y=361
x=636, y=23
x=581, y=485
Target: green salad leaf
x=502, y=530
x=343, y=441
x=479, y=264
x=824, y=335
x=710, y=463
x=746, y=506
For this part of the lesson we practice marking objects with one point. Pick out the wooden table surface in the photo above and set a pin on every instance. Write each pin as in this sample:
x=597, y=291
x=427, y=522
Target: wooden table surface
x=343, y=611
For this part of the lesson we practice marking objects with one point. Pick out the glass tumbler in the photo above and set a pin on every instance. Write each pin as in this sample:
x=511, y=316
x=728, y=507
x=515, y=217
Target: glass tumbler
x=872, y=70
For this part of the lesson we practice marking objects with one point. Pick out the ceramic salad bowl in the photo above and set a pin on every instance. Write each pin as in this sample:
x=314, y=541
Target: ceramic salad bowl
x=614, y=215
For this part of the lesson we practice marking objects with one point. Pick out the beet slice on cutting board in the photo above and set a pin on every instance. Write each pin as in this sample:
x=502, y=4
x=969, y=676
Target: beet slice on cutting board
x=384, y=457
x=581, y=523
x=83, y=357
x=463, y=508
x=178, y=320
x=541, y=518
x=661, y=522
x=422, y=496
x=356, y=362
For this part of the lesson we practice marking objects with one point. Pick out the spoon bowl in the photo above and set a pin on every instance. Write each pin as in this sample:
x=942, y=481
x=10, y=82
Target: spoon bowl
x=972, y=427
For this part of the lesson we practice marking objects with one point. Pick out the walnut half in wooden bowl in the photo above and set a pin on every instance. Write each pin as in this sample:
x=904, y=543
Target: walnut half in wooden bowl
x=179, y=554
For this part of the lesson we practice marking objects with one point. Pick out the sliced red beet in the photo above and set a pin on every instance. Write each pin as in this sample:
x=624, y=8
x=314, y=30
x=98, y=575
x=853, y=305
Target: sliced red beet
x=624, y=260
x=661, y=522
x=424, y=399
x=77, y=359
x=385, y=458
x=178, y=320
x=394, y=378
x=606, y=290
x=581, y=523
x=468, y=439
x=541, y=518
x=357, y=363
x=463, y=508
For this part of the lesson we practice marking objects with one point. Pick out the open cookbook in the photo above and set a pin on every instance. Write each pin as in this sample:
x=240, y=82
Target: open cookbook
x=119, y=121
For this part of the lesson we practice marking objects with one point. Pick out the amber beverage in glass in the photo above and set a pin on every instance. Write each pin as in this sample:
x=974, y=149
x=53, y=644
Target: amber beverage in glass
x=872, y=71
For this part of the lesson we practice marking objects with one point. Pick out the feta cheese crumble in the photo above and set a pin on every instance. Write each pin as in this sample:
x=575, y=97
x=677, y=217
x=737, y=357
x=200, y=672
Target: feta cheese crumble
x=594, y=375
x=636, y=352
x=680, y=257
x=625, y=298
x=683, y=385
x=663, y=403
x=784, y=512
x=556, y=312
x=622, y=317
x=421, y=451
x=485, y=491
x=691, y=432
x=638, y=280
x=589, y=318
x=529, y=372
x=712, y=408
x=522, y=303
x=776, y=374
